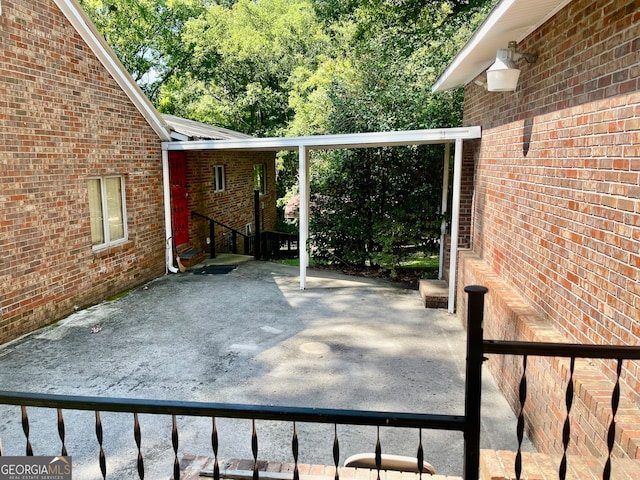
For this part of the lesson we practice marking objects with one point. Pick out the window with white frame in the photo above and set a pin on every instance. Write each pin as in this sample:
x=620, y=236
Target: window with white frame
x=107, y=211
x=218, y=178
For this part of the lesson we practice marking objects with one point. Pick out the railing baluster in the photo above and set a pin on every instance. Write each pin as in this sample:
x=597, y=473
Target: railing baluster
x=420, y=455
x=378, y=455
x=174, y=442
x=566, y=431
x=336, y=451
x=611, y=434
x=102, y=457
x=61, y=432
x=137, y=435
x=214, y=445
x=294, y=449
x=254, y=450
x=520, y=427
x=25, y=429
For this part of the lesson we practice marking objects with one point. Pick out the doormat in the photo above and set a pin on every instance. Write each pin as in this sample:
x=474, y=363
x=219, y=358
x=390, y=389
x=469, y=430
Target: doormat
x=215, y=269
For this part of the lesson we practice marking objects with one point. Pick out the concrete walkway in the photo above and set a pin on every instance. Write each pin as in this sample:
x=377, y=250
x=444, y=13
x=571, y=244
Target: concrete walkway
x=250, y=336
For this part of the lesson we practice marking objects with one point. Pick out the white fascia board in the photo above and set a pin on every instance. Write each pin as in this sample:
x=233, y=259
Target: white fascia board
x=326, y=142
x=90, y=34
x=510, y=20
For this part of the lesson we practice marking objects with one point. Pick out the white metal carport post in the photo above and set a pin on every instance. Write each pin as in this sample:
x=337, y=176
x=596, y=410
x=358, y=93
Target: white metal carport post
x=303, y=180
x=455, y=223
x=443, y=206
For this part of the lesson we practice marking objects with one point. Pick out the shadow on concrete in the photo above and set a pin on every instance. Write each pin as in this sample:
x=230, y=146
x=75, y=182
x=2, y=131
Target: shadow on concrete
x=252, y=337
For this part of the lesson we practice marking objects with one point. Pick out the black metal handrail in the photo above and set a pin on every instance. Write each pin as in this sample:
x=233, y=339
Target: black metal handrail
x=571, y=351
x=279, y=245
x=237, y=411
x=566, y=350
x=248, y=239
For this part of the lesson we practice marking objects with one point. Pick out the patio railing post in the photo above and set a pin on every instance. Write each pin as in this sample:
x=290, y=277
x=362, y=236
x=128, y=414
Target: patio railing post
x=212, y=238
x=475, y=316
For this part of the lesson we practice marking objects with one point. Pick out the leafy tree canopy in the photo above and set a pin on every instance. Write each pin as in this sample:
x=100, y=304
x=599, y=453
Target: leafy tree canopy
x=303, y=67
x=243, y=64
x=146, y=35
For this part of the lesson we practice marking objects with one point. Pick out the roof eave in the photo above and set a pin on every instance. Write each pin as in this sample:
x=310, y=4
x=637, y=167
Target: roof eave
x=90, y=34
x=501, y=26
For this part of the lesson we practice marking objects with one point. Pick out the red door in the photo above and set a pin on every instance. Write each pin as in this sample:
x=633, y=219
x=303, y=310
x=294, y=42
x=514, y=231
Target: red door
x=179, y=197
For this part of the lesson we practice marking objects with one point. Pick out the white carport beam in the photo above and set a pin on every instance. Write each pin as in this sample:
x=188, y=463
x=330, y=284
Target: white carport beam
x=327, y=142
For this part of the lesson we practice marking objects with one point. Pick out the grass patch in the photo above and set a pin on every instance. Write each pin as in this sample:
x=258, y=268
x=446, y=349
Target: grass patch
x=295, y=262
x=118, y=295
x=423, y=262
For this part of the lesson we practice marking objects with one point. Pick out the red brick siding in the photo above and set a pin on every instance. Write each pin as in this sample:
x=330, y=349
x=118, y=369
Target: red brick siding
x=235, y=205
x=63, y=119
x=466, y=206
x=547, y=378
x=557, y=191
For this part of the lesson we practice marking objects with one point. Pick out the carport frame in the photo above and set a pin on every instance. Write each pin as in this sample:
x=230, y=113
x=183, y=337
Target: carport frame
x=348, y=141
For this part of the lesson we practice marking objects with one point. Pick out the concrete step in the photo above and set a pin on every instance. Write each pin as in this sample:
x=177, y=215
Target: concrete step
x=434, y=293
x=190, y=258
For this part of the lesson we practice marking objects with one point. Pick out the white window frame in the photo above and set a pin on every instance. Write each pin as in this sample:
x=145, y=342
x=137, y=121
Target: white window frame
x=108, y=242
x=218, y=178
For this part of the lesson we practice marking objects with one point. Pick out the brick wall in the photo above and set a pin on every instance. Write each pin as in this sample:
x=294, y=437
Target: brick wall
x=235, y=205
x=466, y=205
x=63, y=119
x=556, y=212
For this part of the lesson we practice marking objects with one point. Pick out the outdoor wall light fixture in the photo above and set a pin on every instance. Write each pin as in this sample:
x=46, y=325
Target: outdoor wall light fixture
x=503, y=75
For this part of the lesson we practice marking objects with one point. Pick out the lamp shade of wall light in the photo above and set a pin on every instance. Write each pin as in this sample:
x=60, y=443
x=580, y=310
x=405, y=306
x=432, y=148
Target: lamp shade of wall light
x=503, y=75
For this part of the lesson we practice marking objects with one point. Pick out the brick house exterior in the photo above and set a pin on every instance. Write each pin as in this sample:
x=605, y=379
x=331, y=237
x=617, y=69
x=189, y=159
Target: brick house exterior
x=234, y=206
x=73, y=121
x=555, y=226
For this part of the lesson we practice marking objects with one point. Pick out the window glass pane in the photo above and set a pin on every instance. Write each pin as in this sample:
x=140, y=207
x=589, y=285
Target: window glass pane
x=114, y=208
x=219, y=178
x=95, y=212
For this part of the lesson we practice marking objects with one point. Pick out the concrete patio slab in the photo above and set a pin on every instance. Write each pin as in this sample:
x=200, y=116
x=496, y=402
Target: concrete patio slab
x=250, y=336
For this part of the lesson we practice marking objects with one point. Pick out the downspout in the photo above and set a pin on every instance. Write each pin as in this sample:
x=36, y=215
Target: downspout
x=167, y=212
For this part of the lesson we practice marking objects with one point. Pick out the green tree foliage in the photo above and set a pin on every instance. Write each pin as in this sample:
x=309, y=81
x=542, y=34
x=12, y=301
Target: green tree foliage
x=146, y=35
x=370, y=204
x=243, y=64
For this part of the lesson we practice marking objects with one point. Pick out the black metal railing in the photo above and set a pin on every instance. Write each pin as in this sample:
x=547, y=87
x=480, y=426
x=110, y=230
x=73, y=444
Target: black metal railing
x=469, y=423
x=571, y=351
x=214, y=411
x=231, y=243
x=277, y=245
